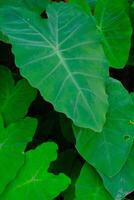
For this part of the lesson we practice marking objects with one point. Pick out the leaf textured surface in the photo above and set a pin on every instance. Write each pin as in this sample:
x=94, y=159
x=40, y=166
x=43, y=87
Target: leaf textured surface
x=15, y=99
x=90, y=186
x=63, y=58
x=108, y=151
x=13, y=141
x=112, y=19
x=34, y=181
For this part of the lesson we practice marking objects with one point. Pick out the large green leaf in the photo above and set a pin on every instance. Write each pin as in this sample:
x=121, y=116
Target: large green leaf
x=123, y=183
x=89, y=185
x=115, y=27
x=13, y=141
x=14, y=99
x=34, y=182
x=63, y=58
x=108, y=151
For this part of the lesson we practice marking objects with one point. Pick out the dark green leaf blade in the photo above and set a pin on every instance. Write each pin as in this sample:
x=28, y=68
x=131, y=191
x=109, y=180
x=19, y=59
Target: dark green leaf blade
x=13, y=141
x=108, y=151
x=51, y=55
x=90, y=186
x=112, y=21
x=14, y=99
x=34, y=181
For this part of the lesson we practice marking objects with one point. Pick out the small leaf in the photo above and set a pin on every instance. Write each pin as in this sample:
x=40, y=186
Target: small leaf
x=51, y=55
x=14, y=99
x=108, y=151
x=112, y=21
x=89, y=185
x=33, y=180
x=13, y=141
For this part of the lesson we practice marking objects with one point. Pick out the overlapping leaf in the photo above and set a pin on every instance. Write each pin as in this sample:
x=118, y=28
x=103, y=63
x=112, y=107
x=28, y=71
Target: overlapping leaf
x=14, y=99
x=115, y=27
x=108, y=151
x=34, y=182
x=13, y=141
x=90, y=186
x=123, y=183
x=63, y=58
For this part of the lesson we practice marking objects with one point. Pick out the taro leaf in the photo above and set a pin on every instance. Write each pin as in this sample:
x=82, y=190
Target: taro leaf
x=14, y=99
x=69, y=164
x=123, y=183
x=34, y=182
x=13, y=141
x=112, y=21
x=84, y=5
x=63, y=58
x=108, y=151
x=90, y=186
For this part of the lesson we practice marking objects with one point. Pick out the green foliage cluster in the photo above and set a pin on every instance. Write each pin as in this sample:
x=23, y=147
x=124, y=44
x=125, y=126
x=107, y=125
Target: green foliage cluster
x=65, y=56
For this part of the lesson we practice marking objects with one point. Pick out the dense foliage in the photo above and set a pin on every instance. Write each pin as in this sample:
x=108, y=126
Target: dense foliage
x=66, y=122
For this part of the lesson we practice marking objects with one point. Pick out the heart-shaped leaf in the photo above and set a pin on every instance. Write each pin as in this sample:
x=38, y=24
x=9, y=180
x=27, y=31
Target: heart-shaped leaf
x=63, y=58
